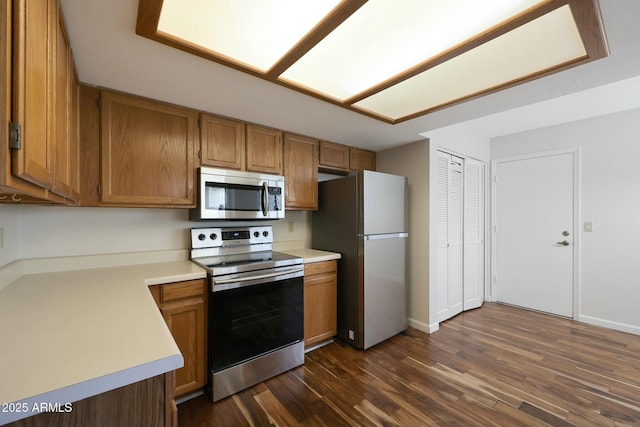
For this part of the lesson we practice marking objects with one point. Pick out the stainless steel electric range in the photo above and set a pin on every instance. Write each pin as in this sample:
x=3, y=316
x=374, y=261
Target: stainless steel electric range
x=256, y=320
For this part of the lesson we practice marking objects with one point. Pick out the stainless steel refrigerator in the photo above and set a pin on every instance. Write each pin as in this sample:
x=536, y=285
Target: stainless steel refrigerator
x=362, y=216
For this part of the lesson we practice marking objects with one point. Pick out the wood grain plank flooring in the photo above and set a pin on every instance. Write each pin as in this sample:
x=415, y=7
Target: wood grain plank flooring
x=493, y=366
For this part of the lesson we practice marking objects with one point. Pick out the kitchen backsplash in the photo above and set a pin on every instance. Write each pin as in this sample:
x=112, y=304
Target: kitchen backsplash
x=45, y=231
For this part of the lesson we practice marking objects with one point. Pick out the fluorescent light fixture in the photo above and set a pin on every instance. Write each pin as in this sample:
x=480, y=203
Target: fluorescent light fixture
x=254, y=33
x=528, y=49
x=384, y=38
x=391, y=60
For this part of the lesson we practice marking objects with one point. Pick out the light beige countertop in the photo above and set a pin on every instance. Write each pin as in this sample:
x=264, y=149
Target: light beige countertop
x=312, y=255
x=70, y=335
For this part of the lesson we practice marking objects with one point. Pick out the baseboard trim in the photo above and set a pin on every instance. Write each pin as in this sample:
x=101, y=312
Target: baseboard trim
x=632, y=329
x=424, y=327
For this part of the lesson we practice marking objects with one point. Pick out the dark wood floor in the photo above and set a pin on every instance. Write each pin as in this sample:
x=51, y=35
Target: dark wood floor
x=496, y=365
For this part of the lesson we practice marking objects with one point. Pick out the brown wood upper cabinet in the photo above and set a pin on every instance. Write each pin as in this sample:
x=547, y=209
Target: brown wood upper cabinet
x=232, y=144
x=360, y=159
x=147, y=152
x=33, y=98
x=342, y=158
x=66, y=166
x=37, y=98
x=222, y=142
x=300, y=172
x=264, y=150
x=333, y=156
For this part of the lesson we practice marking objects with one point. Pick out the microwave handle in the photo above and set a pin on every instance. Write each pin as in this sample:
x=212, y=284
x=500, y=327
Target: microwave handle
x=265, y=198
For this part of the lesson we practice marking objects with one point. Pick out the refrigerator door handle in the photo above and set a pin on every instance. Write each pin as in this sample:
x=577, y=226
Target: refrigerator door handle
x=385, y=236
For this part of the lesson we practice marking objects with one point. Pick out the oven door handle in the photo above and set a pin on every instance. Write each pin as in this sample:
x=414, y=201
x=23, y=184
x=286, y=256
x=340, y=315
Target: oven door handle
x=239, y=280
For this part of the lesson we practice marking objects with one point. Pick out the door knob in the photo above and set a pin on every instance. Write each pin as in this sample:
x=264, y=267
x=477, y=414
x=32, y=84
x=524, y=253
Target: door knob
x=563, y=243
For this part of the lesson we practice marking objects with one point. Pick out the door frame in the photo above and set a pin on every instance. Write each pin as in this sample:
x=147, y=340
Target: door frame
x=576, y=152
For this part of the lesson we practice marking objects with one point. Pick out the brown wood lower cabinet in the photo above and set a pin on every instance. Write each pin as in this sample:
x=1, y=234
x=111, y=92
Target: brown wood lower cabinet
x=147, y=403
x=320, y=299
x=184, y=308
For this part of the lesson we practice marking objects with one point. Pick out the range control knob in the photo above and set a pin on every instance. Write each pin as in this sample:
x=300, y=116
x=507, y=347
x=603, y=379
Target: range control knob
x=256, y=234
x=201, y=237
x=213, y=236
x=265, y=233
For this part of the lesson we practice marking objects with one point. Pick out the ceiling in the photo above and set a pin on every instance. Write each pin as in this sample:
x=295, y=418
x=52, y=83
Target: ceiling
x=389, y=60
x=109, y=54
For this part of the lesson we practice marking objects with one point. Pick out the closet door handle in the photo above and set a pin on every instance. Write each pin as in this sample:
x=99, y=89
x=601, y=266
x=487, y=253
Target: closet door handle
x=563, y=243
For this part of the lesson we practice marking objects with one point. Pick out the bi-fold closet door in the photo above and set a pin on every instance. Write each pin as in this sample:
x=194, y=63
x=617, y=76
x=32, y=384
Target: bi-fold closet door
x=460, y=211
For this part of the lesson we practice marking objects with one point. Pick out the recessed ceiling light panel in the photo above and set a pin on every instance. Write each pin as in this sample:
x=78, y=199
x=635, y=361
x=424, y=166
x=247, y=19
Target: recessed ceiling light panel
x=391, y=60
x=385, y=37
x=534, y=47
x=254, y=33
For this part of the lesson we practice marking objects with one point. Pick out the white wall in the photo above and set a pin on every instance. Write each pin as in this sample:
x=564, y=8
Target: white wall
x=460, y=139
x=49, y=231
x=412, y=161
x=10, y=229
x=610, y=267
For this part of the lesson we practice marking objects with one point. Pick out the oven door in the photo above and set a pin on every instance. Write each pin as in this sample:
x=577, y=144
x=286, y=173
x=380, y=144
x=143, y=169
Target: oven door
x=254, y=317
x=240, y=198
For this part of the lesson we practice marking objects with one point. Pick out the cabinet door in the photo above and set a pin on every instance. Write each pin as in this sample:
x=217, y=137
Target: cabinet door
x=362, y=159
x=147, y=152
x=35, y=25
x=185, y=322
x=264, y=150
x=320, y=302
x=184, y=308
x=74, y=161
x=334, y=156
x=65, y=165
x=221, y=142
x=300, y=172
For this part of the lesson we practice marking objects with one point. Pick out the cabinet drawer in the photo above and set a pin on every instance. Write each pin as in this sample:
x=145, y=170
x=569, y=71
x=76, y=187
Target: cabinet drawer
x=320, y=267
x=176, y=291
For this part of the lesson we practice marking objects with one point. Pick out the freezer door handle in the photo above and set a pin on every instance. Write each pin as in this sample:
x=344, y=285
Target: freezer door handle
x=385, y=236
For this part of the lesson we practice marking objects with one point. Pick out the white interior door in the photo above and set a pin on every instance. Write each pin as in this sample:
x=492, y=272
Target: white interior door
x=442, y=239
x=449, y=201
x=473, y=253
x=535, y=202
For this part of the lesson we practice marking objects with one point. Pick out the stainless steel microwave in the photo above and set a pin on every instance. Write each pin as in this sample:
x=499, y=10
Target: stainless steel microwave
x=231, y=194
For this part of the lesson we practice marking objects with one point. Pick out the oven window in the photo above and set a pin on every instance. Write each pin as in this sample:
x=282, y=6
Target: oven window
x=233, y=197
x=251, y=321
